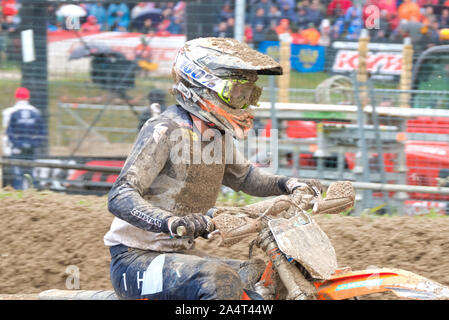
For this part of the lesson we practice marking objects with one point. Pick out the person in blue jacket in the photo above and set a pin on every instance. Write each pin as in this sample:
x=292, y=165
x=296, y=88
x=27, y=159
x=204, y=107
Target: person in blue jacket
x=26, y=133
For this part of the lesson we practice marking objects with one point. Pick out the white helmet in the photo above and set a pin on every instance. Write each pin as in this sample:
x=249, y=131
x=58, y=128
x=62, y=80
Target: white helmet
x=215, y=81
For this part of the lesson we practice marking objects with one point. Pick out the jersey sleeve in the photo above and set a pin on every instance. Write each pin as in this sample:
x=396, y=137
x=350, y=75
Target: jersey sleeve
x=147, y=158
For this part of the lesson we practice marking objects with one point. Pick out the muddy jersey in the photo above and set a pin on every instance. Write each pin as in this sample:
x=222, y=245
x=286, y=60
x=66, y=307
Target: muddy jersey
x=173, y=170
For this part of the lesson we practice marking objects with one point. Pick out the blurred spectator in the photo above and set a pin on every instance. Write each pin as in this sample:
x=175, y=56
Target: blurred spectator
x=248, y=34
x=260, y=18
x=353, y=19
x=52, y=22
x=408, y=10
x=354, y=11
x=230, y=27
x=428, y=14
x=314, y=13
x=118, y=17
x=98, y=11
x=162, y=28
x=283, y=27
x=271, y=34
x=91, y=25
x=264, y=4
x=338, y=27
x=148, y=27
x=222, y=30
x=325, y=33
x=175, y=26
x=383, y=32
x=389, y=5
x=302, y=18
x=9, y=7
x=338, y=6
x=444, y=19
x=258, y=35
x=393, y=21
x=431, y=35
x=296, y=34
x=273, y=15
x=167, y=13
x=26, y=133
x=311, y=35
x=226, y=12
x=288, y=12
x=8, y=24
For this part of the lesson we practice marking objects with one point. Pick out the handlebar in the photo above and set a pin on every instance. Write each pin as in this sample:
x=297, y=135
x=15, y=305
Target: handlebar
x=340, y=196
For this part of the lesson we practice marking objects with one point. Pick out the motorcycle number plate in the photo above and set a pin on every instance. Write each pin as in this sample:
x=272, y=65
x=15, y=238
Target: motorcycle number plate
x=302, y=239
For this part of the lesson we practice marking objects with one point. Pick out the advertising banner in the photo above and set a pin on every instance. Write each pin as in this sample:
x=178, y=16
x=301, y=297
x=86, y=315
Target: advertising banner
x=384, y=59
x=304, y=58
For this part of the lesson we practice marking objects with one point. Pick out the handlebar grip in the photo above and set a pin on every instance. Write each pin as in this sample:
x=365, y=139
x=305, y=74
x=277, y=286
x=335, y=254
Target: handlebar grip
x=340, y=197
x=181, y=231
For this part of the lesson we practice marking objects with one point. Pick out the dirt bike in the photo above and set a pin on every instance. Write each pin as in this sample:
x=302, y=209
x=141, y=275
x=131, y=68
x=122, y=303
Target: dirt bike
x=302, y=261
x=301, y=256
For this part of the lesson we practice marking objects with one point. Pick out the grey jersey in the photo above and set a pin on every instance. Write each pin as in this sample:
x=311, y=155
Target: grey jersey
x=170, y=171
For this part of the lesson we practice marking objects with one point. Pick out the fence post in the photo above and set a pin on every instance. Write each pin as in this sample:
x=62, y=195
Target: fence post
x=406, y=73
x=284, y=79
x=362, y=72
x=361, y=98
x=239, y=26
x=34, y=72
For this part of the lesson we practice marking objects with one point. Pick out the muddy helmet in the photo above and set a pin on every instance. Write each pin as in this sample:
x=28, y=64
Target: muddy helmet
x=215, y=81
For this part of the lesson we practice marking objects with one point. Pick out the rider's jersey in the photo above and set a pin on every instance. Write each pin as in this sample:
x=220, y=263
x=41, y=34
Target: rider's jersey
x=173, y=170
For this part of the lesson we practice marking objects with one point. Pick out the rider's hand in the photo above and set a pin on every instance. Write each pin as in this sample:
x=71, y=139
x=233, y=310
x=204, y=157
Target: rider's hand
x=195, y=225
x=312, y=185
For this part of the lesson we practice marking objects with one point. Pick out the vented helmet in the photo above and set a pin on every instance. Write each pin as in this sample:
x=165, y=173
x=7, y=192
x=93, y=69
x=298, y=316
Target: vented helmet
x=215, y=81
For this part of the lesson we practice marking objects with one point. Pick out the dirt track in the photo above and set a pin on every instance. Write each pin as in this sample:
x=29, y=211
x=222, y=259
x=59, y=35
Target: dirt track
x=43, y=233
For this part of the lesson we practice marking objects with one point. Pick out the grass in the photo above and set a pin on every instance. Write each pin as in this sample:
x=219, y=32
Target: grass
x=76, y=86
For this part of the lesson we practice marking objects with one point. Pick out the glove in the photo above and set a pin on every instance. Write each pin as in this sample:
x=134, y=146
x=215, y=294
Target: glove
x=313, y=185
x=195, y=225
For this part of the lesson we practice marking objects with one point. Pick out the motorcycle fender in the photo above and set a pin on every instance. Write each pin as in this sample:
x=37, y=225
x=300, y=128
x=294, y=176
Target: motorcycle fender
x=402, y=283
x=302, y=239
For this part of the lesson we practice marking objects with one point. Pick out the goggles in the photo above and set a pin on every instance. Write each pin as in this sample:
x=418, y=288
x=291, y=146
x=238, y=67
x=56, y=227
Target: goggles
x=238, y=94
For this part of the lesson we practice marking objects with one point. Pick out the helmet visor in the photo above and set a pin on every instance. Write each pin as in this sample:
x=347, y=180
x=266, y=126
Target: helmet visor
x=239, y=94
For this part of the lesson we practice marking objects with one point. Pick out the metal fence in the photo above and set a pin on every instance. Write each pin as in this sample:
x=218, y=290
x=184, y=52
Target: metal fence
x=94, y=80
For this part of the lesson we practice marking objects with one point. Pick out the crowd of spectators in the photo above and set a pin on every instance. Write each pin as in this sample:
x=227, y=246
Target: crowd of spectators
x=319, y=22
x=315, y=22
x=159, y=18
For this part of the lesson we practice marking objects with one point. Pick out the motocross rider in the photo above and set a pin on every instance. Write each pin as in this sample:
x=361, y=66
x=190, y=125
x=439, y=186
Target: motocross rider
x=157, y=190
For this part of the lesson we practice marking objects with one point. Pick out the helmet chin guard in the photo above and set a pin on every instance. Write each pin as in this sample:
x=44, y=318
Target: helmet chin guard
x=215, y=81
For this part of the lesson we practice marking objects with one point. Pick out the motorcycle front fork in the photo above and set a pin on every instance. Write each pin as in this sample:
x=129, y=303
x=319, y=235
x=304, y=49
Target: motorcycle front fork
x=298, y=287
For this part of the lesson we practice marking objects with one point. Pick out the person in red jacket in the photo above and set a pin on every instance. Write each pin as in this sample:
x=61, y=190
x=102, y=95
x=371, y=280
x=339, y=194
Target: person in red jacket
x=8, y=7
x=91, y=25
x=338, y=5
